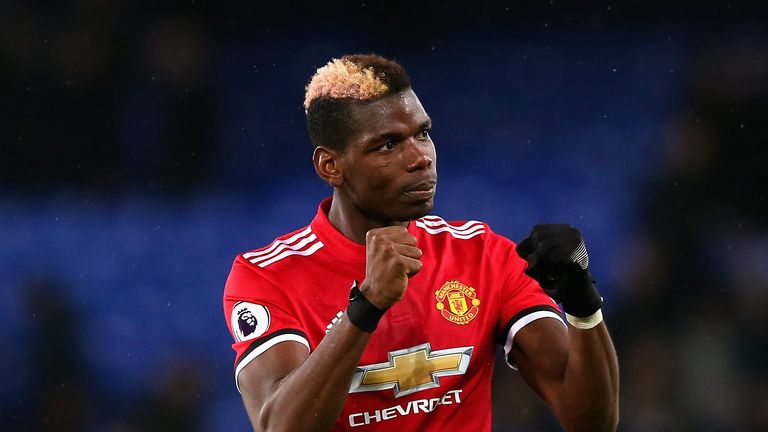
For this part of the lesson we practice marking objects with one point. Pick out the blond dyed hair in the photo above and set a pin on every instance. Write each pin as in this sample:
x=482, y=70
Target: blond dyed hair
x=342, y=78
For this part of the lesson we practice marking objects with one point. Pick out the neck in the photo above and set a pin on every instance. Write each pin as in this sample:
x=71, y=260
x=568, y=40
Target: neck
x=352, y=222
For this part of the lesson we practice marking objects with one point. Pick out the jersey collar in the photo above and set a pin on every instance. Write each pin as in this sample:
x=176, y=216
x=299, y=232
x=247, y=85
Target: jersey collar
x=337, y=243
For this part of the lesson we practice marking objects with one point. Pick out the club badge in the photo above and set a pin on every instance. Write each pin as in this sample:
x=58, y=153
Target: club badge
x=249, y=320
x=457, y=302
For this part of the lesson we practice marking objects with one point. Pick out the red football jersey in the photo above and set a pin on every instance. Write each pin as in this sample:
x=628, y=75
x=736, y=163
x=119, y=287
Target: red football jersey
x=429, y=363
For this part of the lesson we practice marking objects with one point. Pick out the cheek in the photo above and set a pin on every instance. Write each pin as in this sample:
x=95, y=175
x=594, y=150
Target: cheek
x=374, y=180
x=380, y=178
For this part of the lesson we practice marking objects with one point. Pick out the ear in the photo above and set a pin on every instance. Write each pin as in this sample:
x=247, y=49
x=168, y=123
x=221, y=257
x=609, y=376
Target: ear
x=328, y=165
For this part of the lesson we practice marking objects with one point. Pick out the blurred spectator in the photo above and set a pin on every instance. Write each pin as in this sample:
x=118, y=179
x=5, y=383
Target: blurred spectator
x=692, y=353
x=57, y=394
x=175, y=403
x=88, y=75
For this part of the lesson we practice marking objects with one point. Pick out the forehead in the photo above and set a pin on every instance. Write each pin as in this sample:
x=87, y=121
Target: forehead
x=399, y=110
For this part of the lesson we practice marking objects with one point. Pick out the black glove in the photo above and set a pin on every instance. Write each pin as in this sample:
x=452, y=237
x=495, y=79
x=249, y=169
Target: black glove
x=558, y=260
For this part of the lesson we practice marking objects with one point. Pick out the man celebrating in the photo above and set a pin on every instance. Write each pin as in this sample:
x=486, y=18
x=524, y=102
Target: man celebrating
x=378, y=316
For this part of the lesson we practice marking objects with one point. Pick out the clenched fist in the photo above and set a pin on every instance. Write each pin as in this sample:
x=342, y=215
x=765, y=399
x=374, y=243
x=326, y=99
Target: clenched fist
x=558, y=260
x=391, y=258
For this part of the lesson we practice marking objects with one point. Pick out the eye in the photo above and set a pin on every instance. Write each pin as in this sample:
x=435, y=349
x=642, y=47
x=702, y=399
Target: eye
x=423, y=135
x=388, y=146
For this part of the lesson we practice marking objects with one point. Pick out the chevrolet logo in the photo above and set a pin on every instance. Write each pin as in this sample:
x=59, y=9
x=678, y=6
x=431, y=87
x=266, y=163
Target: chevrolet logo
x=412, y=369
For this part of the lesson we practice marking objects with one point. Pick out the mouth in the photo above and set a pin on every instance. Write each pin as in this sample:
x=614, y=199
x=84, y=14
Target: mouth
x=422, y=191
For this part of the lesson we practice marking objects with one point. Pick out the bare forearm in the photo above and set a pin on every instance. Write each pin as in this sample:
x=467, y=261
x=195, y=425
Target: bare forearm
x=312, y=396
x=589, y=400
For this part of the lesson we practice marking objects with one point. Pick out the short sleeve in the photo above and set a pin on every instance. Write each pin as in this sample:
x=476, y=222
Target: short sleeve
x=258, y=315
x=523, y=301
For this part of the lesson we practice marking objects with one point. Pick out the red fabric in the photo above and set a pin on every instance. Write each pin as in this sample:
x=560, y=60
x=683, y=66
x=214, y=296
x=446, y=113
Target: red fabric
x=304, y=293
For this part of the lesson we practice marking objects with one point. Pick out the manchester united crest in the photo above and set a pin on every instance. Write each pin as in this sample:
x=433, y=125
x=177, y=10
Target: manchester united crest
x=457, y=302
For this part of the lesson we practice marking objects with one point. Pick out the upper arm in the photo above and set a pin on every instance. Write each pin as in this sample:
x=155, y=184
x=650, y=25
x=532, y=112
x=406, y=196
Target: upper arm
x=269, y=339
x=261, y=376
x=258, y=315
x=540, y=351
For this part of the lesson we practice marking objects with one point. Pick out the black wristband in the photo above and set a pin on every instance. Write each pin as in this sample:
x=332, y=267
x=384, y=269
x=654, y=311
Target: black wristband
x=362, y=313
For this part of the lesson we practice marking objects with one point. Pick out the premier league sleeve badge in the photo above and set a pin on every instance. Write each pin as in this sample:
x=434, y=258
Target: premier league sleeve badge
x=249, y=321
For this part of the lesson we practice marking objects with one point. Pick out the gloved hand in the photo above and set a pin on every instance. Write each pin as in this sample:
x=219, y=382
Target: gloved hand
x=558, y=260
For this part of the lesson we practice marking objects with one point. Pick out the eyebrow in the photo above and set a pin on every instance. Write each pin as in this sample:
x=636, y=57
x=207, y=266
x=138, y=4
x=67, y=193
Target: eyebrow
x=396, y=136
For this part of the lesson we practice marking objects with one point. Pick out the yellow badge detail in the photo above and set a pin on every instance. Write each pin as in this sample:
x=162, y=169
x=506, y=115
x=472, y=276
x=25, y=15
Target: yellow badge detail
x=457, y=302
x=411, y=370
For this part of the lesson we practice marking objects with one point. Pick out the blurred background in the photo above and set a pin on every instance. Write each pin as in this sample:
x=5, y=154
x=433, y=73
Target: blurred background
x=143, y=145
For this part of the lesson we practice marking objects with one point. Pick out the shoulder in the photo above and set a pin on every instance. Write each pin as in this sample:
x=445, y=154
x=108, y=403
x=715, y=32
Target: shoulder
x=264, y=268
x=301, y=242
x=465, y=234
x=433, y=225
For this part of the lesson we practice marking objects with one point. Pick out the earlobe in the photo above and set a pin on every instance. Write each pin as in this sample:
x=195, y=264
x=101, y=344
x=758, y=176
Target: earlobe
x=327, y=166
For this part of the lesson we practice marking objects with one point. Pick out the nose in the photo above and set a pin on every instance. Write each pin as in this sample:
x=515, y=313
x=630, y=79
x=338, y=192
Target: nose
x=420, y=156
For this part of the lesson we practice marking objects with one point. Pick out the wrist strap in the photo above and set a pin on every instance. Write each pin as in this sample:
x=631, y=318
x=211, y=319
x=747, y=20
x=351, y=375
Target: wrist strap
x=362, y=313
x=585, y=323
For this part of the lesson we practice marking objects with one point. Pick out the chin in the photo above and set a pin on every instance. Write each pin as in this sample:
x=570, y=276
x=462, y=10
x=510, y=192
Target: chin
x=421, y=210
x=402, y=212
